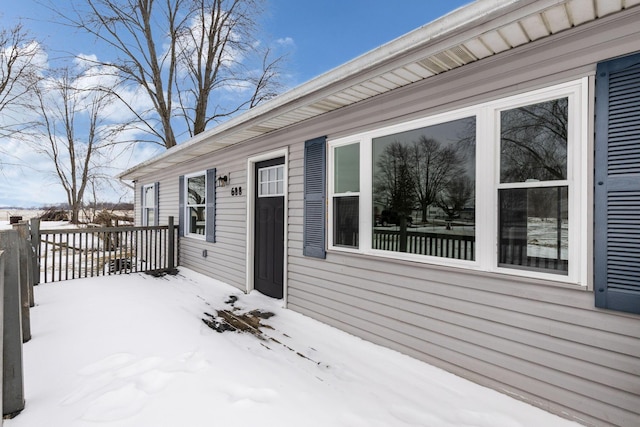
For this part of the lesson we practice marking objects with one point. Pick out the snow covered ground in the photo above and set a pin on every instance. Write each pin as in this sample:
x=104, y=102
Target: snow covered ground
x=133, y=351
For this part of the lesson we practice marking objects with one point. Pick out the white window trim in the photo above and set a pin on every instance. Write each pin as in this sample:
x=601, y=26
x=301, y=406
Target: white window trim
x=187, y=206
x=577, y=175
x=487, y=182
x=332, y=194
x=145, y=207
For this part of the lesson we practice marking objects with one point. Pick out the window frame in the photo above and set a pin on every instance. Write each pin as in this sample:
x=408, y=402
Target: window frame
x=577, y=175
x=332, y=195
x=145, y=206
x=187, y=217
x=487, y=182
x=366, y=187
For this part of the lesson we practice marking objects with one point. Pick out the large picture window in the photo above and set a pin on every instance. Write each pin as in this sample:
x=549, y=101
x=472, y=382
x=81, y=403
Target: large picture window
x=424, y=190
x=499, y=186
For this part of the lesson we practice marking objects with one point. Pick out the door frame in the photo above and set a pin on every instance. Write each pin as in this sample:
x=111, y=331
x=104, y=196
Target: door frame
x=251, y=215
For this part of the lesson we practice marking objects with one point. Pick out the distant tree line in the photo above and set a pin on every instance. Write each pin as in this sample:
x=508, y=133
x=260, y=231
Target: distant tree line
x=114, y=206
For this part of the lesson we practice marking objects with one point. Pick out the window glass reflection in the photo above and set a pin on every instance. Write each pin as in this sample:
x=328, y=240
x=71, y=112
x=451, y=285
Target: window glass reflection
x=347, y=168
x=534, y=142
x=534, y=229
x=424, y=190
x=346, y=214
x=196, y=190
x=197, y=220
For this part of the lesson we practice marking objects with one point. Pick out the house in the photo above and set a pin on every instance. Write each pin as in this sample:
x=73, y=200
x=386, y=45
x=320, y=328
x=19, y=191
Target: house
x=533, y=108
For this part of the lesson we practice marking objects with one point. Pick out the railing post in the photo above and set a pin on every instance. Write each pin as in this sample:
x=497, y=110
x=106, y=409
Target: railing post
x=1, y=327
x=12, y=381
x=26, y=286
x=171, y=265
x=35, y=243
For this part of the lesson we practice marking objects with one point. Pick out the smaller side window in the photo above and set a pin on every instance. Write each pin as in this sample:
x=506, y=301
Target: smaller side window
x=196, y=204
x=533, y=194
x=149, y=205
x=345, y=195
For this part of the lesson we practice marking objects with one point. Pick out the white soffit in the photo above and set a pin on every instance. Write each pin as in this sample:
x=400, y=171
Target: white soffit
x=558, y=17
x=526, y=21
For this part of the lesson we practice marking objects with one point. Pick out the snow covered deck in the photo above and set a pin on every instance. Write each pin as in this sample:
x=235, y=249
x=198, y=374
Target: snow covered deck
x=133, y=350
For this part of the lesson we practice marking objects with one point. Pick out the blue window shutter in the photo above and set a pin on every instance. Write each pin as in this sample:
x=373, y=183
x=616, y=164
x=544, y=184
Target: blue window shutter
x=211, y=206
x=156, y=206
x=181, y=224
x=617, y=185
x=314, y=221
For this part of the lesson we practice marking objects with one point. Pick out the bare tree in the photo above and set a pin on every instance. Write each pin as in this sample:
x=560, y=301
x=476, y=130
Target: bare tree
x=92, y=203
x=434, y=167
x=394, y=186
x=187, y=56
x=74, y=133
x=19, y=72
x=455, y=196
x=534, y=142
x=393, y=183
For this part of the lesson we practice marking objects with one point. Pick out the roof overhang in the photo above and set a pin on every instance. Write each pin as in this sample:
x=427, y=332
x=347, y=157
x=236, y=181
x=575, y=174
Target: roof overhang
x=473, y=32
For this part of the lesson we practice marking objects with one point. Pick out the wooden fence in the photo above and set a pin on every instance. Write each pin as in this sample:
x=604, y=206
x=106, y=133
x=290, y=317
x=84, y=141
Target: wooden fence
x=88, y=252
x=16, y=285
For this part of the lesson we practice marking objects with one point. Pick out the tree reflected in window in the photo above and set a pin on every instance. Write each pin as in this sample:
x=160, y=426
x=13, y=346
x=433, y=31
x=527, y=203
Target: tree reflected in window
x=534, y=142
x=534, y=217
x=196, y=204
x=424, y=190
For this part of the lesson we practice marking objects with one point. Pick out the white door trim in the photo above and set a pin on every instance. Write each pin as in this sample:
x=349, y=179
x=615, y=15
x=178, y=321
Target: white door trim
x=250, y=238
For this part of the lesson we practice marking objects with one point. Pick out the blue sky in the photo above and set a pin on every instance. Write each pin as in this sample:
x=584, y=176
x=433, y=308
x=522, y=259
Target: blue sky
x=324, y=34
x=329, y=33
x=320, y=35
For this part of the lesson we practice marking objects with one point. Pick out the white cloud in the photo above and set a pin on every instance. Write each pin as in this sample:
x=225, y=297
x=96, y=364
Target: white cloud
x=31, y=182
x=240, y=86
x=34, y=183
x=27, y=175
x=286, y=41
